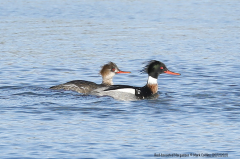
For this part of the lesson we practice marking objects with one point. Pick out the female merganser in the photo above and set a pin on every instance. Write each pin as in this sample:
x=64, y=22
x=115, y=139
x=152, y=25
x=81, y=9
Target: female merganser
x=82, y=86
x=154, y=69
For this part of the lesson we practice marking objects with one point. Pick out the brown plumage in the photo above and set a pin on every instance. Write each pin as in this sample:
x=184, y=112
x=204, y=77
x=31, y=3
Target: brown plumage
x=153, y=87
x=108, y=71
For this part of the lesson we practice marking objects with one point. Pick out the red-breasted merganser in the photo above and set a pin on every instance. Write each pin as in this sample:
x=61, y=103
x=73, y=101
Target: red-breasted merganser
x=154, y=69
x=82, y=86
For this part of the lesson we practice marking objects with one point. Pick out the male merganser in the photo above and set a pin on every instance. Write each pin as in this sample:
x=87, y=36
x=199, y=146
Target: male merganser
x=82, y=86
x=154, y=69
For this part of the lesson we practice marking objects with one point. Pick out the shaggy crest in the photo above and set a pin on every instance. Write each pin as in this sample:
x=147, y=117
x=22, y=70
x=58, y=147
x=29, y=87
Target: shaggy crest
x=152, y=63
x=108, y=66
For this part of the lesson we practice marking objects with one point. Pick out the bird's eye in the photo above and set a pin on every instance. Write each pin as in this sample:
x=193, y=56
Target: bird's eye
x=113, y=69
x=161, y=68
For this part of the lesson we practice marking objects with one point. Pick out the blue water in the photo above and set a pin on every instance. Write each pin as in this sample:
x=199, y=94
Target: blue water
x=45, y=43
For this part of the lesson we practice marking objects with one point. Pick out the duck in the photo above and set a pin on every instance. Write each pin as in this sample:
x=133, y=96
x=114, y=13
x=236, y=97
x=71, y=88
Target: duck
x=107, y=72
x=154, y=68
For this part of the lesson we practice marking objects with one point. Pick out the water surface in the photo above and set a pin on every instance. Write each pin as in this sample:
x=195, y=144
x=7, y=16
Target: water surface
x=44, y=43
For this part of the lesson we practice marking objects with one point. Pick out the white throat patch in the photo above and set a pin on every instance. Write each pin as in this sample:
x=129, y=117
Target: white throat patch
x=151, y=80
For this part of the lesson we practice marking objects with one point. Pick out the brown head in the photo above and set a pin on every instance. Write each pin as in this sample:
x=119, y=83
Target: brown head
x=108, y=71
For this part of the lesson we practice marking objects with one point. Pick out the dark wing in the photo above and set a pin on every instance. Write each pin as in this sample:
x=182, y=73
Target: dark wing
x=79, y=86
x=115, y=87
x=81, y=83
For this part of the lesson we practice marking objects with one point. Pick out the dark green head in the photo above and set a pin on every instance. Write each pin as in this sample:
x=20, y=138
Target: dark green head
x=155, y=68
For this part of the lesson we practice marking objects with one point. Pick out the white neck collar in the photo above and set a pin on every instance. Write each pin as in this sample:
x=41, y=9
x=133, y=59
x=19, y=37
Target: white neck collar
x=151, y=80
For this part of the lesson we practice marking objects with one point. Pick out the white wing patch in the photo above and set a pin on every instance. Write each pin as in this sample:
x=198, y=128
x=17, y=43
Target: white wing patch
x=125, y=90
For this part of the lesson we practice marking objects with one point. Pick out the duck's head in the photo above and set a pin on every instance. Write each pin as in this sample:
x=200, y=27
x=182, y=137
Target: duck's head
x=155, y=68
x=108, y=71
